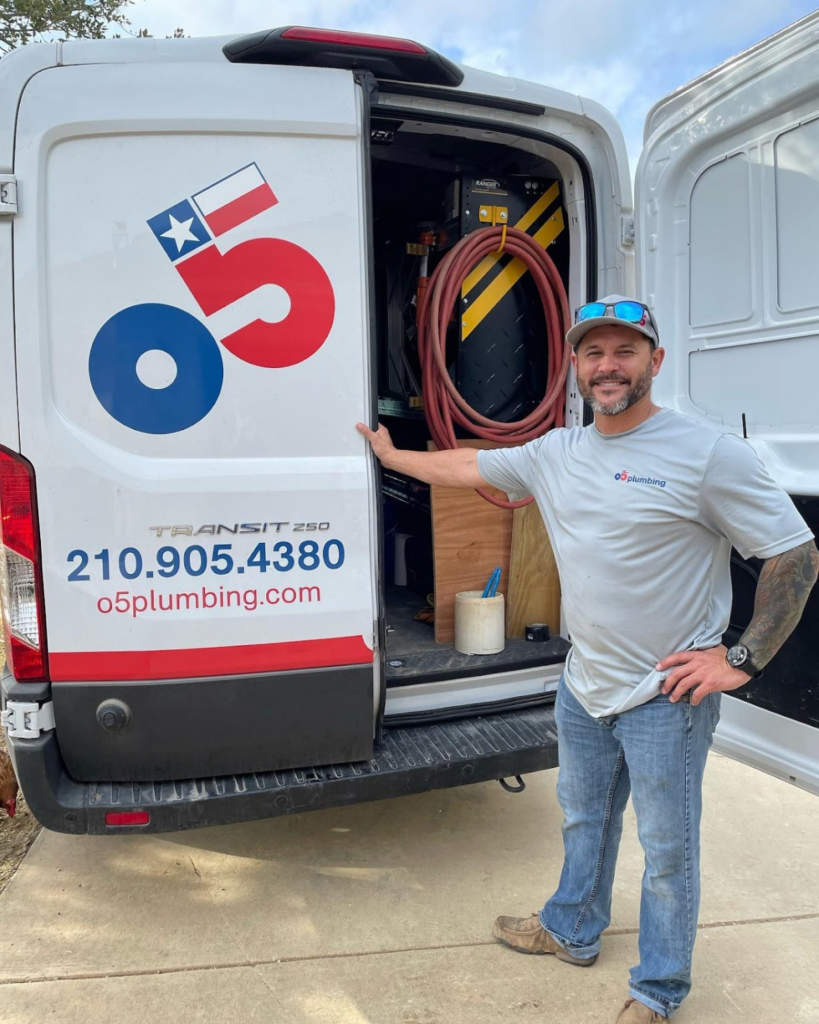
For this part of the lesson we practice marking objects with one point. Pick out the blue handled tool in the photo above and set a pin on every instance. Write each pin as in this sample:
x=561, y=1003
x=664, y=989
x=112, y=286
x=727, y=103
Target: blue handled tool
x=492, y=586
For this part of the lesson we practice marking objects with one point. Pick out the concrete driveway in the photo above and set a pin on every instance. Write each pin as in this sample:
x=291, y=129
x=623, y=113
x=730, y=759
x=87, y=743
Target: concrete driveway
x=381, y=914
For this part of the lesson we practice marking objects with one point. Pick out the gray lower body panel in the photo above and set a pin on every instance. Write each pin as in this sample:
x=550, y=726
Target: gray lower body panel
x=220, y=725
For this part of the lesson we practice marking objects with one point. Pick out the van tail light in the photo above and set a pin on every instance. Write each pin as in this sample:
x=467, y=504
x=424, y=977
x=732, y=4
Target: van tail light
x=360, y=40
x=21, y=577
x=385, y=57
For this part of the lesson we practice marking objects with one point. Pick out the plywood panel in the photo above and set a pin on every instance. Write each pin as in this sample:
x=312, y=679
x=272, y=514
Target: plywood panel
x=470, y=538
x=534, y=586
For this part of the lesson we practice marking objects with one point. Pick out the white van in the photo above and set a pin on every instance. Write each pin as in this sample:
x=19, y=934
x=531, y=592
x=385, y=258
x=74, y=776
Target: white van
x=209, y=261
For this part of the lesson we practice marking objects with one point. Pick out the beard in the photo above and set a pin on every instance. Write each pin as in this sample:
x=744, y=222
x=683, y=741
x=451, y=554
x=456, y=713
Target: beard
x=636, y=389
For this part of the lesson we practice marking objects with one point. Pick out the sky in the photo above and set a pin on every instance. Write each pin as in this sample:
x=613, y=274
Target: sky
x=626, y=54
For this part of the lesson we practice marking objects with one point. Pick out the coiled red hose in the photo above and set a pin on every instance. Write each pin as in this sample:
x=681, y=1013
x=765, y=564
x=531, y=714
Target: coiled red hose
x=443, y=404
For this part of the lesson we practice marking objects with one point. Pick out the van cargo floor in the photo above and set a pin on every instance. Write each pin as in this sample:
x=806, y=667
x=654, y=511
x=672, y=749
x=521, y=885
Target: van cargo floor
x=406, y=759
x=413, y=656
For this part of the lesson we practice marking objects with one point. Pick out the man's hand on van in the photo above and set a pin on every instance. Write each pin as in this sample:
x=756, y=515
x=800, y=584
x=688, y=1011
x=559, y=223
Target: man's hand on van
x=457, y=468
x=380, y=439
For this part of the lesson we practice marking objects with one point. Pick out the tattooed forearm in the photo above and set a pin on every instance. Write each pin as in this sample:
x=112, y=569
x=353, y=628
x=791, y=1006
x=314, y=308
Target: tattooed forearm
x=782, y=592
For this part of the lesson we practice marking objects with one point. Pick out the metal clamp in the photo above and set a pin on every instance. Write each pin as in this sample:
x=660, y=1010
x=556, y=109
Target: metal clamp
x=493, y=215
x=26, y=720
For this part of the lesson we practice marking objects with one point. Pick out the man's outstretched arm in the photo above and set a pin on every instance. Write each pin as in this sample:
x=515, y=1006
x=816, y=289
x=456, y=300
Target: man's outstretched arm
x=782, y=592
x=457, y=468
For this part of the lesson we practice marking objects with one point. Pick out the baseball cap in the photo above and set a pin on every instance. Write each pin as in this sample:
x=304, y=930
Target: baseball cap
x=631, y=313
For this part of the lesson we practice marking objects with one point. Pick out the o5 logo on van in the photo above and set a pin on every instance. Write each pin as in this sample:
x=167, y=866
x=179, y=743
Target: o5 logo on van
x=186, y=232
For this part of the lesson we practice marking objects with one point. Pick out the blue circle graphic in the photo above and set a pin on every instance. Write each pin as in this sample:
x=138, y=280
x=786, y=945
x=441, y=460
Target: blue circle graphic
x=131, y=333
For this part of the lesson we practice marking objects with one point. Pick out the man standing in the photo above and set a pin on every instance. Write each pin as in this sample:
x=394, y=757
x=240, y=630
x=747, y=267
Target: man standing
x=642, y=509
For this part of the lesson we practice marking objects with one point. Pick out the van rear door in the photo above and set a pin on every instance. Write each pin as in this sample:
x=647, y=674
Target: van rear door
x=727, y=221
x=192, y=356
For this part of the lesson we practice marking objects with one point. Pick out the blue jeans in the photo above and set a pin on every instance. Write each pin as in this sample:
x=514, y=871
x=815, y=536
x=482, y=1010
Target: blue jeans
x=657, y=752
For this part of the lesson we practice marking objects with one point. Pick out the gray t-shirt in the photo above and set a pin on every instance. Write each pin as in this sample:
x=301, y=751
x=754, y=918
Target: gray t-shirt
x=642, y=525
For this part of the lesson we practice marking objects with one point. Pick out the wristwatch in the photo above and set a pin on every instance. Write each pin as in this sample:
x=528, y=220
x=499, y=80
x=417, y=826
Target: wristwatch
x=740, y=657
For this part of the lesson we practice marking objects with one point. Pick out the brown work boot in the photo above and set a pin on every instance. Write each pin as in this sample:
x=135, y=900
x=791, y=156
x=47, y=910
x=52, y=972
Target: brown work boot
x=527, y=935
x=635, y=1012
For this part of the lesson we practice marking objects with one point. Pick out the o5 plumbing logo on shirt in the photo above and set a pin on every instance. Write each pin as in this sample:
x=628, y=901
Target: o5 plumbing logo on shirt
x=632, y=478
x=216, y=279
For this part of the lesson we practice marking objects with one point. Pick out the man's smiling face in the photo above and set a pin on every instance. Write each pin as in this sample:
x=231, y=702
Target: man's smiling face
x=615, y=366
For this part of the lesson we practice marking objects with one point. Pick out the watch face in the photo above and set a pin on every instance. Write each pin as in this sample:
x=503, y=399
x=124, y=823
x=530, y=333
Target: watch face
x=737, y=656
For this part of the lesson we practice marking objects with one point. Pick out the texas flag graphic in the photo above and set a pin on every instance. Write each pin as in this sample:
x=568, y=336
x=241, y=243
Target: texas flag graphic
x=235, y=199
x=179, y=230
x=227, y=203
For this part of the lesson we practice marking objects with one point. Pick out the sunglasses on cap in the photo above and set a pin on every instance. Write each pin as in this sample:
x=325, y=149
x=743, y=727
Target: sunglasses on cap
x=628, y=311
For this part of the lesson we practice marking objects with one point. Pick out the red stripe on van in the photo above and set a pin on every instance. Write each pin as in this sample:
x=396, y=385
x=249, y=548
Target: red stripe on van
x=91, y=666
x=239, y=210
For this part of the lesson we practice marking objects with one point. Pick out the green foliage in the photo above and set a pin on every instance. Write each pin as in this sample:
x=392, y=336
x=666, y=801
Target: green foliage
x=28, y=21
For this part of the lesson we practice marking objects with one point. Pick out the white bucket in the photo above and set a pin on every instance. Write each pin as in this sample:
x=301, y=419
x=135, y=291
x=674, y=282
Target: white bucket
x=480, y=623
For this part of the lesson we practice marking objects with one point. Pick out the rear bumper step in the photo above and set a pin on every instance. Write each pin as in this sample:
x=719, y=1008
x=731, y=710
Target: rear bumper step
x=410, y=759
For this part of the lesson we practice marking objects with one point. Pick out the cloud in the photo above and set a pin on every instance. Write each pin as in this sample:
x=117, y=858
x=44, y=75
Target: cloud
x=625, y=55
